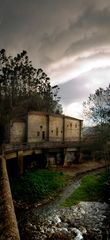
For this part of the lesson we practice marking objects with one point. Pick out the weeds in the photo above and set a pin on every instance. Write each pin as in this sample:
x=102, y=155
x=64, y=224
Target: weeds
x=93, y=187
x=37, y=185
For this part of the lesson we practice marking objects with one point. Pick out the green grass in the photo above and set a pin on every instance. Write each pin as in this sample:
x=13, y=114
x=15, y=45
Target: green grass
x=93, y=187
x=37, y=185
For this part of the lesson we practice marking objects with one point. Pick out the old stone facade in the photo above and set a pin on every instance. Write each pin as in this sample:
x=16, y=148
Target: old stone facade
x=72, y=129
x=54, y=139
x=52, y=127
x=55, y=128
x=37, y=127
x=45, y=127
x=17, y=131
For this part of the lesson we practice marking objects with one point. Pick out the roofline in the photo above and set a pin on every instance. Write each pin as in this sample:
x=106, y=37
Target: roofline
x=52, y=114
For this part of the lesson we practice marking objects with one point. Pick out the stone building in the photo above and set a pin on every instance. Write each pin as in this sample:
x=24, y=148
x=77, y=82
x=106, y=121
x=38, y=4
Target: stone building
x=52, y=127
x=50, y=139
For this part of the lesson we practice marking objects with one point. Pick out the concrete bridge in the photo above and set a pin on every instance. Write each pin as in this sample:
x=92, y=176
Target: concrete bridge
x=18, y=153
x=54, y=153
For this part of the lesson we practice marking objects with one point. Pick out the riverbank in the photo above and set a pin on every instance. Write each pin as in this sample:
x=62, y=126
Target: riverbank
x=80, y=168
x=86, y=220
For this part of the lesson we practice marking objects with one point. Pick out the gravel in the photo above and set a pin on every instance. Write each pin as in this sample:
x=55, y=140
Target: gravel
x=86, y=220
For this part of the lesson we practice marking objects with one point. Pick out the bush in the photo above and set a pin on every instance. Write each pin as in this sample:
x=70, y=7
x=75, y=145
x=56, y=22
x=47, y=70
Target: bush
x=37, y=185
x=93, y=187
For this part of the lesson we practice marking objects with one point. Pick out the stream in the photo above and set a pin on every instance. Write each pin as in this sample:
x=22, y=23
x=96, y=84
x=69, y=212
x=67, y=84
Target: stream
x=55, y=204
x=86, y=220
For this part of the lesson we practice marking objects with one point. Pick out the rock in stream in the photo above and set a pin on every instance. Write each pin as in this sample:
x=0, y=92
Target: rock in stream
x=86, y=220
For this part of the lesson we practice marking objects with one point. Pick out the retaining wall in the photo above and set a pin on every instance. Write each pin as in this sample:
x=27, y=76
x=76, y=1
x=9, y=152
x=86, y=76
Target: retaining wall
x=10, y=228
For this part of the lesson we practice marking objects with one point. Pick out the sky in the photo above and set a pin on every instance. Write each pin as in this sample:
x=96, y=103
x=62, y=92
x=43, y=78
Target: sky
x=68, y=39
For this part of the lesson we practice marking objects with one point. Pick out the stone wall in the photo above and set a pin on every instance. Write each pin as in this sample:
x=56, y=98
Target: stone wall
x=10, y=227
x=55, y=128
x=41, y=126
x=71, y=155
x=37, y=127
x=17, y=132
x=52, y=127
x=72, y=129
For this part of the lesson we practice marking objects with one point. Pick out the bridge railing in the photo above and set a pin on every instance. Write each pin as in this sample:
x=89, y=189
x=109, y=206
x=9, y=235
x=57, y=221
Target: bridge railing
x=38, y=145
x=9, y=221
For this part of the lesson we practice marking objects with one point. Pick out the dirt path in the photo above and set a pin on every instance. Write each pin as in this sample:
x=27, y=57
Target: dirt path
x=83, y=167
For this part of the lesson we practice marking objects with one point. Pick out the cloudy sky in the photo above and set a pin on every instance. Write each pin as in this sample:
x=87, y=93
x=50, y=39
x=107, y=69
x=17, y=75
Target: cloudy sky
x=69, y=39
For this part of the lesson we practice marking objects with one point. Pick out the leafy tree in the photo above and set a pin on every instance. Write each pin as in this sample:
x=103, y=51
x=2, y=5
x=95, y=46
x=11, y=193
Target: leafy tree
x=97, y=107
x=24, y=88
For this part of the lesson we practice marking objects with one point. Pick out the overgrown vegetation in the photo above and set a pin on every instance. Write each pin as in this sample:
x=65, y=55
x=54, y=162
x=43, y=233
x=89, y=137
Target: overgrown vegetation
x=37, y=185
x=97, y=111
x=24, y=88
x=97, y=106
x=93, y=187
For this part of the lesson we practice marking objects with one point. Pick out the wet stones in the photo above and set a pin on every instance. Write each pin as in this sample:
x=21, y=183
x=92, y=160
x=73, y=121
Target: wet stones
x=86, y=220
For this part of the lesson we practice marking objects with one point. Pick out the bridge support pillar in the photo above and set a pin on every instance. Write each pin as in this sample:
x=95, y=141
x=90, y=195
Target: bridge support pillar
x=20, y=162
x=51, y=161
x=69, y=156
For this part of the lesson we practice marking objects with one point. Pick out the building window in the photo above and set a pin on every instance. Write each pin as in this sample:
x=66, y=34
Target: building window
x=43, y=135
x=41, y=126
x=51, y=131
x=38, y=134
x=56, y=131
x=75, y=125
x=71, y=125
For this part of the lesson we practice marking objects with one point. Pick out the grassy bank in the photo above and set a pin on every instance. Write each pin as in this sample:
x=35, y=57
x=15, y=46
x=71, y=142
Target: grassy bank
x=37, y=185
x=93, y=187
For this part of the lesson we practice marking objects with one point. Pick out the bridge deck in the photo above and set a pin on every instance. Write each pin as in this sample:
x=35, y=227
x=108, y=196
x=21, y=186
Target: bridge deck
x=7, y=148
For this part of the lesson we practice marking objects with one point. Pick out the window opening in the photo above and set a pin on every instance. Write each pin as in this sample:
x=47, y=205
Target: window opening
x=43, y=135
x=56, y=131
x=38, y=134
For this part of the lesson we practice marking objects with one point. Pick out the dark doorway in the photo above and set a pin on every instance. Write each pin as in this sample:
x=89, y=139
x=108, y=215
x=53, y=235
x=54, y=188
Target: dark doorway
x=43, y=135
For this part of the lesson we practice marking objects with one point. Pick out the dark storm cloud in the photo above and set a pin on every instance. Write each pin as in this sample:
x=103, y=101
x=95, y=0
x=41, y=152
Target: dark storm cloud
x=63, y=37
x=71, y=91
x=27, y=25
x=78, y=89
x=53, y=28
x=85, y=30
x=94, y=25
